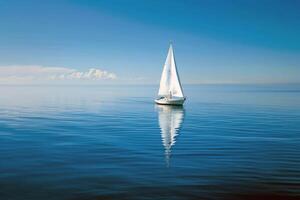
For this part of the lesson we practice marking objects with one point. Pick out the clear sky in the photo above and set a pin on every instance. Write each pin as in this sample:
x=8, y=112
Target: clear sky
x=215, y=41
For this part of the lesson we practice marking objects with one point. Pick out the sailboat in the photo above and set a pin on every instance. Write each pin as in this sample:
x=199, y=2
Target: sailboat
x=170, y=89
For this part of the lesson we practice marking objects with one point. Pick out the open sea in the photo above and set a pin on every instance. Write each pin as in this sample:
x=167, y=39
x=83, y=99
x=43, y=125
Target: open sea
x=112, y=142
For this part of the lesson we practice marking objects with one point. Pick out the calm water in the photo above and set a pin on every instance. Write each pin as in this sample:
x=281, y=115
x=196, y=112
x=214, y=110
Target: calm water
x=112, y=142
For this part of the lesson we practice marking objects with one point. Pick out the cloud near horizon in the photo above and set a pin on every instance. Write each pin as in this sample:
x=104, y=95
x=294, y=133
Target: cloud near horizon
x=32, y=73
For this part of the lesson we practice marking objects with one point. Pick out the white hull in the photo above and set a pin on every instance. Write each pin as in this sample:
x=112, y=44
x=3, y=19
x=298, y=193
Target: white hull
x=167, y=101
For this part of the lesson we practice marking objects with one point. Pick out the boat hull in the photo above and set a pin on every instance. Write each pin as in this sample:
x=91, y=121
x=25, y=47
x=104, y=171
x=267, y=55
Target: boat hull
x=165, y=101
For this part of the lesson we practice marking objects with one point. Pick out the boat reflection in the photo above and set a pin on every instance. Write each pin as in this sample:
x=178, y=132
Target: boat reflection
x=170, y=119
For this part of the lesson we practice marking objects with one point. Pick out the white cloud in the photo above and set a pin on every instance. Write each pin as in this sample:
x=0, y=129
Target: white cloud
x=16, y=74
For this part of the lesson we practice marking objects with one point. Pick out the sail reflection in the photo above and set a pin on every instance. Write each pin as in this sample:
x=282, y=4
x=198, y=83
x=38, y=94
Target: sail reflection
x=170, y=119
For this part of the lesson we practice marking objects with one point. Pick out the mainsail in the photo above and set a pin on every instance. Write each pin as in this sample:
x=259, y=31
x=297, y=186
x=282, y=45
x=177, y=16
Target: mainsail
x=170, y=82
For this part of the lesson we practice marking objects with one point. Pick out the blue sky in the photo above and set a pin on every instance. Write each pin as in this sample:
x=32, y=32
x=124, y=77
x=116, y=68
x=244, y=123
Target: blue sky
x=215, y=41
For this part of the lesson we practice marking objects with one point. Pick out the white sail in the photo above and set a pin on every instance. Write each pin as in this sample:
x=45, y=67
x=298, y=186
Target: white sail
x=170, y=82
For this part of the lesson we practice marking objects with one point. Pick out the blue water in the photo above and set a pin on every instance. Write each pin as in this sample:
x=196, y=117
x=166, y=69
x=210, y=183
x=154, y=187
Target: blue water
x=112, y=142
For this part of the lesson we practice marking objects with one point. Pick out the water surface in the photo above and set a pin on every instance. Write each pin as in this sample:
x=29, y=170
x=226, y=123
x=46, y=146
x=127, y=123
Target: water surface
x=112, y=142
